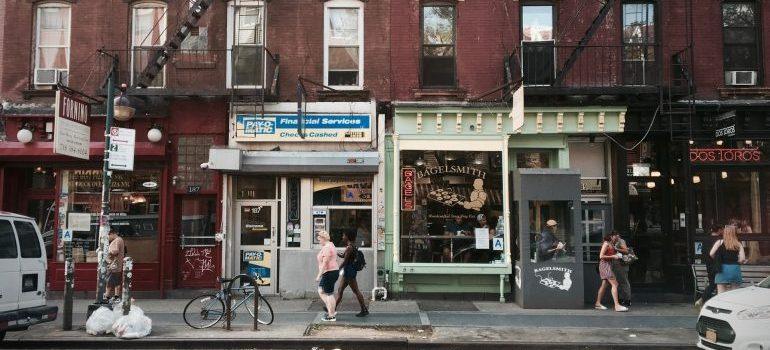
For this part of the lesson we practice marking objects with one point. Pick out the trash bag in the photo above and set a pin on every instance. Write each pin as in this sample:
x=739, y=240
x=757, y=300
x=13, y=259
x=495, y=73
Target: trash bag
x=101, y=321
x=133, y=325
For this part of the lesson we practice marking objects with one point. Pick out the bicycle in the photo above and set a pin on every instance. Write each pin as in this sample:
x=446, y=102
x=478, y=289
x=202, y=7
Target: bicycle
x=206, y=310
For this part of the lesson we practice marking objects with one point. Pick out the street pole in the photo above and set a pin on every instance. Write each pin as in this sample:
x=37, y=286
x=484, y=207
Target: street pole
x=104, y=217
x=69, y=281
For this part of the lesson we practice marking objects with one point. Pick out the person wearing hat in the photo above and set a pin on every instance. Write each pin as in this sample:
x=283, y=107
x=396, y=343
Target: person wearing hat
x=548, y=246
x=328, y=272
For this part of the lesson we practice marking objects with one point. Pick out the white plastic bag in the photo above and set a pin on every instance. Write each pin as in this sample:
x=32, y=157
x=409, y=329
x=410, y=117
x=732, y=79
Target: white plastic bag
x=133, y=325
x=101, y=321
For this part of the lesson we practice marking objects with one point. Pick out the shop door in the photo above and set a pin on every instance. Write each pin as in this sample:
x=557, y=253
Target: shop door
x=596, y=222
x=255, y=241
x=198, y=255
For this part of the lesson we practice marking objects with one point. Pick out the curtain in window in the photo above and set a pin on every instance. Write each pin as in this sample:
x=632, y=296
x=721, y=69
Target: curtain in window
x=53, y=40
x=149, y=26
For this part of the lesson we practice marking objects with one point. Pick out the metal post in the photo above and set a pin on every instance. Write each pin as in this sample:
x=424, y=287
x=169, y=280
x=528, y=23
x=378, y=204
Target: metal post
x=104, y=217
x=256, y=303
x=128, y=267
x=69, y=281
x=228, y=308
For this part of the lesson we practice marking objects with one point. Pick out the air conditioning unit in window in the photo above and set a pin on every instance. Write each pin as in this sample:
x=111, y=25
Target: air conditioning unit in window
x=51, y=76
x=741, y=77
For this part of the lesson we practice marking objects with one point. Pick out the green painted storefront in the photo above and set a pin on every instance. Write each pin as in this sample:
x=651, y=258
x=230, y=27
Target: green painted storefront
x=467, y=127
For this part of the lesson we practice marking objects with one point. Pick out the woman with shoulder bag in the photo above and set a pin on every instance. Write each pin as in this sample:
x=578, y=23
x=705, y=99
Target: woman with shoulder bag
x=728, y=253
x=607, y=255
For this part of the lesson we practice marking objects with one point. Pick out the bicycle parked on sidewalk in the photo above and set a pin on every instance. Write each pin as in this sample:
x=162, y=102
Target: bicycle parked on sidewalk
x=206, y=310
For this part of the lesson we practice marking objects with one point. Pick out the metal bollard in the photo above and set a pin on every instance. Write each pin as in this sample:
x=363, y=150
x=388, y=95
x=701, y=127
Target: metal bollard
x=228, y=308
x=256, y=303
x=69, y=282
x=128, y=267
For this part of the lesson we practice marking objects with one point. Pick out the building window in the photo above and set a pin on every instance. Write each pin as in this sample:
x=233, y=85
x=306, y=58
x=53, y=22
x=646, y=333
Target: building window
x=741, y=42
x=192, y=152
x=52, y=53
x=438, y=46
x=134, y=205
x=451, y=206
x=246, y=44
x=537, y=49
x=343, y=52
x=638, y=43
x=343, y=206
x=148, y=35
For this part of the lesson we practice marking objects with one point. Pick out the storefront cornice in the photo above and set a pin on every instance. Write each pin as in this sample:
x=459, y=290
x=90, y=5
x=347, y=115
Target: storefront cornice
x=455, y=121
x=283, y=162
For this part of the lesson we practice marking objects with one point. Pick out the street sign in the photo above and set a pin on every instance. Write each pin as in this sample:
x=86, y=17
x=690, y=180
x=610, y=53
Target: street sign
x=122, y=143
x=71, y=133
x=66, y=235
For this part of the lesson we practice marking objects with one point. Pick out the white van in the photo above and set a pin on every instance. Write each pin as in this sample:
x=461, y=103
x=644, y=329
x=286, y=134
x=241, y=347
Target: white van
x=22, y=275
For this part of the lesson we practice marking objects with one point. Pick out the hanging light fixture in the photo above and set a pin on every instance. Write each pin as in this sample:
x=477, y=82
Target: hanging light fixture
x=419, y=161
x=24, y=135
x=696, y=179
x=154, y=134
x=748, y=142
x=720, y=142
x=122, y=106
x=724, y=174
x=672, y=181
x=655, y=173
x=449, y=157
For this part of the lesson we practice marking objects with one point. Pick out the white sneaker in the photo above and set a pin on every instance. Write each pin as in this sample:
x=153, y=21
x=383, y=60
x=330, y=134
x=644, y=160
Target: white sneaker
x=620, y=308
x=600, y=307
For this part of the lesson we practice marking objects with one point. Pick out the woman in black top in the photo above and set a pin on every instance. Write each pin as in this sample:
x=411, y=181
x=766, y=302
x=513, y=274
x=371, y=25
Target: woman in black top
x=349, y=271
x=729, y=253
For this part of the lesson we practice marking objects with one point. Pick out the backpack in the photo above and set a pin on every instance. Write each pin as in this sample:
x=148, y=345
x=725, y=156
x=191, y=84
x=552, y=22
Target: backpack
x=359, y=262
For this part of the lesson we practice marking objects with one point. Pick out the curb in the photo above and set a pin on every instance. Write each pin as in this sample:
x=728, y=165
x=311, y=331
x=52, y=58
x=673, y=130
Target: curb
x=320, y=344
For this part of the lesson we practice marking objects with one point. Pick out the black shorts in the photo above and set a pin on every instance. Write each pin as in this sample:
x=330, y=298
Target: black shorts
x=328, y=279
x=114, y=279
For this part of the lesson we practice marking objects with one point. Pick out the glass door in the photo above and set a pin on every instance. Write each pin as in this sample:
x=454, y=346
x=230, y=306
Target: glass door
x=198, y=256
x=256, y=240
x=596, y=222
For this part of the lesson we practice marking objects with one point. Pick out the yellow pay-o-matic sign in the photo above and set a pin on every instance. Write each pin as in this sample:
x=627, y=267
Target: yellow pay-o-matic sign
x=315, y=127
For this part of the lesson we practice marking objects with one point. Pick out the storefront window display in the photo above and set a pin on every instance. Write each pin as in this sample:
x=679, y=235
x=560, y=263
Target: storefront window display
x=134, y=205
x=451, y=204
x=343, y=204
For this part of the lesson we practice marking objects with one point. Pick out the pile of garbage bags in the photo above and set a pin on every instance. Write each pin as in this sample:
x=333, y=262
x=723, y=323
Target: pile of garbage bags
x=131, y=326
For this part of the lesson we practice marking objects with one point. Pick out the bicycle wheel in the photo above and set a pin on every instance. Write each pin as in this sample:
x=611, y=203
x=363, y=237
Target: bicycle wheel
x=265, y=310
x=203, y=311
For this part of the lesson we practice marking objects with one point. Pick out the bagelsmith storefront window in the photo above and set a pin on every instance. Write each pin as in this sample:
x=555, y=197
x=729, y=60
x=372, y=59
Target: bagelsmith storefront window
x=451, y=202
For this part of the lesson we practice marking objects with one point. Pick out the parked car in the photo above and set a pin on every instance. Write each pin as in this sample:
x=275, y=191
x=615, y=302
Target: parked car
x=22, y=272
x=738, y=319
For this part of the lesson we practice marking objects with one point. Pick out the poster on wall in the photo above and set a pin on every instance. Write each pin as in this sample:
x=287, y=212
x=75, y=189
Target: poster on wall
x=317, y=127
x=258, y=264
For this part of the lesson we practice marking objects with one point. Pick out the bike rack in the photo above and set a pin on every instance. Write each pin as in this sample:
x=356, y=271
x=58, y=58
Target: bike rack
x=229, y=300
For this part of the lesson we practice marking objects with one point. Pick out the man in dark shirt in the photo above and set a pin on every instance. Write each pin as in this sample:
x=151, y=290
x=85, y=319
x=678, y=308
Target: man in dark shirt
x=548, y=245
x=708, y=292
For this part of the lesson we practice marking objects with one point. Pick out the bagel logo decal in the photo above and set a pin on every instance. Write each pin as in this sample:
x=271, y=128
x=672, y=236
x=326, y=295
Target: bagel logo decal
x=559, y=278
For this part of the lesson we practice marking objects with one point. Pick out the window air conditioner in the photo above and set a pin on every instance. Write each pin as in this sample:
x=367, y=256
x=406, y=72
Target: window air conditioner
x=51, y=76
x=741, y=77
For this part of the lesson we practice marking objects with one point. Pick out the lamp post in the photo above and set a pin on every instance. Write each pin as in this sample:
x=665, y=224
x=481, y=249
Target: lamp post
x=115, y=107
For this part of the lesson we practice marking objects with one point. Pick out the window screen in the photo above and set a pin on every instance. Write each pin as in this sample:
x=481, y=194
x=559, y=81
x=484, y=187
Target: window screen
x=28, y=241
x=7, y=241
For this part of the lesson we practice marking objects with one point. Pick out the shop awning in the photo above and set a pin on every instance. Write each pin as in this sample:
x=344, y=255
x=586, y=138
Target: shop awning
x=283, y=162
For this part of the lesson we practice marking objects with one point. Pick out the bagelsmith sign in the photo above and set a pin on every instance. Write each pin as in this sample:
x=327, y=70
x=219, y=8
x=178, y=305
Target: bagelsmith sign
x=717, y=155
x=318, y=127
x=71, y=133
x=407, y=189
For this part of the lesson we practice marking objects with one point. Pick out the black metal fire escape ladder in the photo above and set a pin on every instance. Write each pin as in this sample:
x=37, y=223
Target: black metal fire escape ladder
x=679, y=105
x=597, y=22
x=161, y=56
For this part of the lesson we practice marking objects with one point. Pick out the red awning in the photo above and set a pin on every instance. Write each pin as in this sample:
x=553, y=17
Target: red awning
x=18, y=151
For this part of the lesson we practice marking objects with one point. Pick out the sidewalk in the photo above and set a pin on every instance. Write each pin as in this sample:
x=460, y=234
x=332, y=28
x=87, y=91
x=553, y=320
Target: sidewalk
x=427, y=321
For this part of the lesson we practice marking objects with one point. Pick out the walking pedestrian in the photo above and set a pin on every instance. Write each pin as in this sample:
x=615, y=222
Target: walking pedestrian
x=606, y=257
x=350, y=270
x=729, y=254
x=116, y=253
x=328, y=272
x=716, y=232
x=620, y=268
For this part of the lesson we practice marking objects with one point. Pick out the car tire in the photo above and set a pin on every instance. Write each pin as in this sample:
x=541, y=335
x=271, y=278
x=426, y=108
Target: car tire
x=2, y=335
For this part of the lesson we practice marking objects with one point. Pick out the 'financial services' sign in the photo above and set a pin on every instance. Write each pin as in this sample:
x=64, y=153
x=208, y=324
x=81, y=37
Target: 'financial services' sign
x=318, y=128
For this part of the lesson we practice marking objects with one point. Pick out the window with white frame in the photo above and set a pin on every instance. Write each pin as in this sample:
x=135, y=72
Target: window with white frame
x=343, y=49
x=148, y=33
x=246, y=40
x=52, y=52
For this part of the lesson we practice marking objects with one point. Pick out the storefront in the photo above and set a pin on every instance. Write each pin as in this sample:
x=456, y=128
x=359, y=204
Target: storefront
x=282, y=186
x=453, y=224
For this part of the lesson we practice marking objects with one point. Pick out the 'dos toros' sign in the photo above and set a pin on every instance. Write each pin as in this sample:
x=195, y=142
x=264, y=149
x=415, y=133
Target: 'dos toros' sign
x=71, y=134
x=716, y=155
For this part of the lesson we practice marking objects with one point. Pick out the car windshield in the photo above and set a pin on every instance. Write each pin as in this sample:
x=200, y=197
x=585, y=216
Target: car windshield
x=765, y=283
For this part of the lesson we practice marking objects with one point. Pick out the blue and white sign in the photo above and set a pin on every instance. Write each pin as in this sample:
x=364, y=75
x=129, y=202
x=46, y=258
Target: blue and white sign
x=317, y=127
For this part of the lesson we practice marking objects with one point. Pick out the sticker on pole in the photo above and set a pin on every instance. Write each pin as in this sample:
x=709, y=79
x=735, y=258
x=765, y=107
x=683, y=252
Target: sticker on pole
x=66, y=235
x=122, y=143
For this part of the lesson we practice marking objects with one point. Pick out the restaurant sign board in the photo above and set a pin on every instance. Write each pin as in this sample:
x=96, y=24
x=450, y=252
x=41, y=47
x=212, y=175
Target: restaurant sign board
x=728, y=155
x=71, y=133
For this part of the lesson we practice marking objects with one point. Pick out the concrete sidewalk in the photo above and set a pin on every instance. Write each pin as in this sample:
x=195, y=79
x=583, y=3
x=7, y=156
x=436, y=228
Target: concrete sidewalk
x=431, y=321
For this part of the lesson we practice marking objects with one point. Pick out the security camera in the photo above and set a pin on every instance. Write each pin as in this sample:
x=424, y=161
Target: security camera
x=205, y=165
